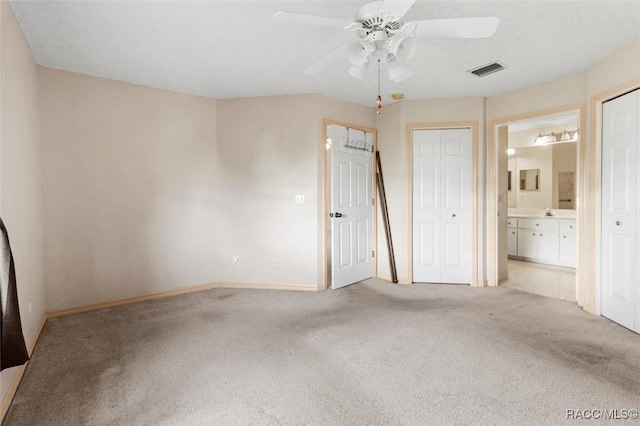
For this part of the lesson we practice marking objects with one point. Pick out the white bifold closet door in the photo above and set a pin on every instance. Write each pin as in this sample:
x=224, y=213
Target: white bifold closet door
x=442, y=205
x=620, y=295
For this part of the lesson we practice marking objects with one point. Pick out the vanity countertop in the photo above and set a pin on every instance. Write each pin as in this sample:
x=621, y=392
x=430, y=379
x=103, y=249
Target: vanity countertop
x=538, y=216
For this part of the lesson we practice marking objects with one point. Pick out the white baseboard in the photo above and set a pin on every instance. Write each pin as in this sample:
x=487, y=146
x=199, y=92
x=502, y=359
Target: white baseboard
x=163, y=294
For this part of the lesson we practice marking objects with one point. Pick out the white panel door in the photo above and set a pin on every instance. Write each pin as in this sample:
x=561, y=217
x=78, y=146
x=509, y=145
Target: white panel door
x=426, y=206
x=620, y=131
x=351, y=206
x=442, y=201
x=457, y=196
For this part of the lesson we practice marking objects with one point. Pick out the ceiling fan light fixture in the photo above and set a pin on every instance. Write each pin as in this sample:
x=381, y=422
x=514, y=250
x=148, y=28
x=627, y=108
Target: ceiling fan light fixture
x=357, y=72
x=405, y=49
x=358, y=53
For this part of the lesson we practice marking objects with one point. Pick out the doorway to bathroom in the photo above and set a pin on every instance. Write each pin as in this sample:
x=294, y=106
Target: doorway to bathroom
x=537, y=192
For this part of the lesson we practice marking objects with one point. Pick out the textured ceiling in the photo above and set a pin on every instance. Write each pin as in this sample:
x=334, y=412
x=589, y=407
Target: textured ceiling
x=231, y=49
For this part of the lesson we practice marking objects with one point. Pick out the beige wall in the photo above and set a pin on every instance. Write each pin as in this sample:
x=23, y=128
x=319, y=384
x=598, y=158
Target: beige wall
x=270, y=150
x=132, y=198
x=618, y=68
x=21, y=175
x=565, y=91
x=149, y=191
x=394, y=152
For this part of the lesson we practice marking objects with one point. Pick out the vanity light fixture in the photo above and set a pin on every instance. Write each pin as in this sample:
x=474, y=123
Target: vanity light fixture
x=545, y=139
x=565, y=136
x=576, y=135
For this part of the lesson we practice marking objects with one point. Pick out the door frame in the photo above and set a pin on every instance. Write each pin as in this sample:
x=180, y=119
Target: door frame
x=473, y=125
x=325, y=201
x=493, y=190
x=592, y=295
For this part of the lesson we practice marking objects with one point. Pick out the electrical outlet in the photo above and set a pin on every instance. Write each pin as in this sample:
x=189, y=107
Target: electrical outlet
x=235, y=260
x=299, y=199
x=276, y=262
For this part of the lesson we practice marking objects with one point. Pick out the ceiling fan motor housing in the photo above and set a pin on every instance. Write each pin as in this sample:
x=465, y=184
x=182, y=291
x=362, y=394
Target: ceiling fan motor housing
x=372, y=15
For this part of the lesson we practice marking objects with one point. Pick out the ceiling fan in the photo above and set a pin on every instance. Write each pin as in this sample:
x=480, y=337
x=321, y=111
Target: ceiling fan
x=382, y=35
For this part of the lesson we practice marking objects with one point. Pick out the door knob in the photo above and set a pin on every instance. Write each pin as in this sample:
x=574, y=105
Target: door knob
x=453, y=215
x=338, y=214
x=617, y=223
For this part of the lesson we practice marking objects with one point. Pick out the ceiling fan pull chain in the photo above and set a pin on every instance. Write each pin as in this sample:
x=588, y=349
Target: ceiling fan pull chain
x=379, y=98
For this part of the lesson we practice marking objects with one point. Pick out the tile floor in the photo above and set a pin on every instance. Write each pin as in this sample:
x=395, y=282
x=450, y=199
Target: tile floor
x=546, y=280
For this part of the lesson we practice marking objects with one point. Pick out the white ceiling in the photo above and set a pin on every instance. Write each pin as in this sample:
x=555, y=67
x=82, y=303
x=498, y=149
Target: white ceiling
x=231, y=49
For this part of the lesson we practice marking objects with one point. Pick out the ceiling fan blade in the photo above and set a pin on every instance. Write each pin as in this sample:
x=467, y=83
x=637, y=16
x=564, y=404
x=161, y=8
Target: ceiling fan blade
x=318, y=21
x=325, y=62
x=397, y=8
x=457, y=27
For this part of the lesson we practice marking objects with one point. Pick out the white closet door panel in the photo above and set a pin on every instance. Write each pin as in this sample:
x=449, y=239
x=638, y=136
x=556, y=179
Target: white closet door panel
x=457, y=193
x=442, y=194
x=426, y=217
x=429, y=179
x=619, y=209
x=453, y=186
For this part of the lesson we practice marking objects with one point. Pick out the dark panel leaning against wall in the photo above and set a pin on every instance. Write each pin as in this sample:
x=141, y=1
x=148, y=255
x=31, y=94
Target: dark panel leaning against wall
x=13, y=351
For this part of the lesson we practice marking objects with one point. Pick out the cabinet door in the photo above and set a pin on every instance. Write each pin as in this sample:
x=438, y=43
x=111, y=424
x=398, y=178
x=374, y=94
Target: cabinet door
x=512, y=241
x=568, y=249
x=527, y=243
x=549, y=247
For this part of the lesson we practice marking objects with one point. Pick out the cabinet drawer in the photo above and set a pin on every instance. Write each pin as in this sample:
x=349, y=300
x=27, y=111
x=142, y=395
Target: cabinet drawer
x=539, y=224
x=567, y=226
x=512, y=222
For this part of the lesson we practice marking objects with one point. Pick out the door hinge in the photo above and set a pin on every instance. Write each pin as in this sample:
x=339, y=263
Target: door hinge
x=371, y=148
x=373, y=253
x=373, y=201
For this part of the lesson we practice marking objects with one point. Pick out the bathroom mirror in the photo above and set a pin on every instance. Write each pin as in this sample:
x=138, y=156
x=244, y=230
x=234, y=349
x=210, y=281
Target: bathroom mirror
x=529, y=180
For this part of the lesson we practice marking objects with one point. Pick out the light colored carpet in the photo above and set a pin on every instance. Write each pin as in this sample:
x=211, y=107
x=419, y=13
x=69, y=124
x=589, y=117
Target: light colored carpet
x=372, y=353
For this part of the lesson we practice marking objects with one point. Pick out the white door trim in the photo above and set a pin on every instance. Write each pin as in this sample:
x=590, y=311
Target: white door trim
x=473, y=125
x=325, y=202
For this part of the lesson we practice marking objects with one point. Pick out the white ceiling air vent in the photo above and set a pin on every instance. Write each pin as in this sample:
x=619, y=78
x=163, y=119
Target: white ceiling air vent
x=487, y=69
